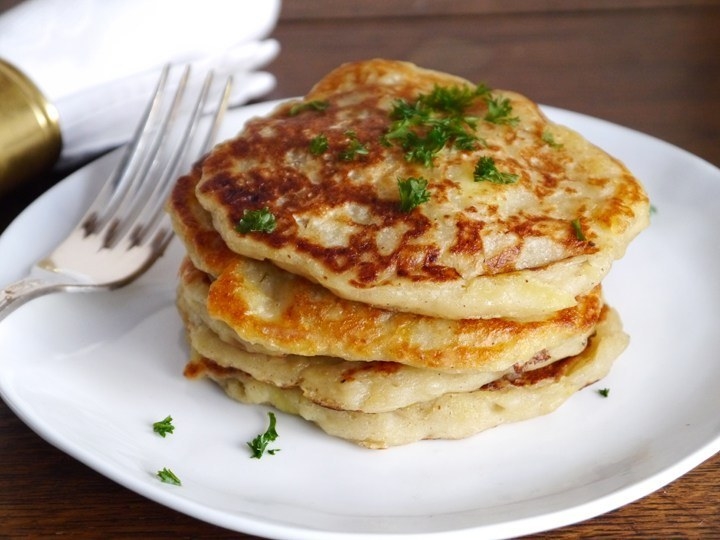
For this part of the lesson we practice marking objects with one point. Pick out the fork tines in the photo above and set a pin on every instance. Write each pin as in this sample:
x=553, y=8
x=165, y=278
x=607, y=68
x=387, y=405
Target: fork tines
x=129, y=207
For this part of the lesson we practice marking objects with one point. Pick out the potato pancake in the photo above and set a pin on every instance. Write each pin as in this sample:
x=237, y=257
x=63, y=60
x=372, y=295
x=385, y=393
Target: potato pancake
x=453, y=415
x=417, y=191
x=403, y=255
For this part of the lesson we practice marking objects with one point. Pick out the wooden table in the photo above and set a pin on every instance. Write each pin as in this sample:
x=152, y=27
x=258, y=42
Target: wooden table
x=651, y=66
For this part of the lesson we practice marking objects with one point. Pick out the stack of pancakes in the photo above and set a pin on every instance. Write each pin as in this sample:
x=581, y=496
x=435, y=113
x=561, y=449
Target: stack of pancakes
x=480, y=304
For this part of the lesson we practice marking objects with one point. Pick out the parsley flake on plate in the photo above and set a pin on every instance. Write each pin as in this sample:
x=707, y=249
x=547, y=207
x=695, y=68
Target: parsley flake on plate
x=167, y=476
x=163, y=427
x=259, y=445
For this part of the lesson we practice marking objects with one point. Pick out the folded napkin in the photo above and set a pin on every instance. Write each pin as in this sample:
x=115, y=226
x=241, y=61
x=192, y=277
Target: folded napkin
x=98, y=61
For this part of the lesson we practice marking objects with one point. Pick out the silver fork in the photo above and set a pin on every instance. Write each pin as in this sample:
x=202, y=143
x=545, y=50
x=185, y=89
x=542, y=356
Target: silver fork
x=125, y=229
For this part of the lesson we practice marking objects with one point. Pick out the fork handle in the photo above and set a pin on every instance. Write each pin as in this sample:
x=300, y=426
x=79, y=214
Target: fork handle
x=16, y=294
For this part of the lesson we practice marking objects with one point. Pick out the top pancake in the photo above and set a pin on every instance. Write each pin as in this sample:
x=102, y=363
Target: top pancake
x=474, y=248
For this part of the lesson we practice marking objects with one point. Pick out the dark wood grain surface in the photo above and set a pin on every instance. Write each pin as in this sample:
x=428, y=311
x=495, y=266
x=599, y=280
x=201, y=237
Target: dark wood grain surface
x=654, y=68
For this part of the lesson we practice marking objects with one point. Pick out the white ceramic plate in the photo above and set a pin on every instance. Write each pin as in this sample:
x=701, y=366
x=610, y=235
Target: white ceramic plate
x=91, y=373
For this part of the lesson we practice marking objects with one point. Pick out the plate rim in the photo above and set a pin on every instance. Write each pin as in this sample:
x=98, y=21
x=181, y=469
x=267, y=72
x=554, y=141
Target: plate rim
x=558, y=518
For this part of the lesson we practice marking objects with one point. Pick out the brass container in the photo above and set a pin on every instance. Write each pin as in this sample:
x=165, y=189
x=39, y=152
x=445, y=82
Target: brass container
x=30, y=138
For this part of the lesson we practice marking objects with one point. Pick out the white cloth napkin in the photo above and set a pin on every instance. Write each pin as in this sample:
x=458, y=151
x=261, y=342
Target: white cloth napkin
x=98, y=61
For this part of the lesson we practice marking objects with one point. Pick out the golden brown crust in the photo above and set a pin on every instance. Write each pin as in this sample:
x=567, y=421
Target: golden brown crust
x=339, y=222
x=307, y=319
x=452, y=415
x=194, y=226
x=266, y=309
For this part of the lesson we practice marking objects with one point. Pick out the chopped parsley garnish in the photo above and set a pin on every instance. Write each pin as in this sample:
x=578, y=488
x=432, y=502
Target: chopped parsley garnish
x=315, y=105
x=413, y=192
x=354, y=148
x=256, y=221
x=549, y=139
x=259, y=445
x=604, y=392
x=163, y=427
x=434, y=121
x=499, y=110
x=439, y=119
x=452, y=99
x=169, y=477
x=318, y=145
x=577, y=229
x=487, y=171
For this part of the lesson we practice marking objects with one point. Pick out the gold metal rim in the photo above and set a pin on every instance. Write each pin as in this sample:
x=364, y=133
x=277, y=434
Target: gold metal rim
x=30, y=139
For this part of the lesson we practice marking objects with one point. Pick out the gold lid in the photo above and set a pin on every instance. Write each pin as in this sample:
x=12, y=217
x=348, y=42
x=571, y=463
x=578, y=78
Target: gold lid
x=30, y=138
